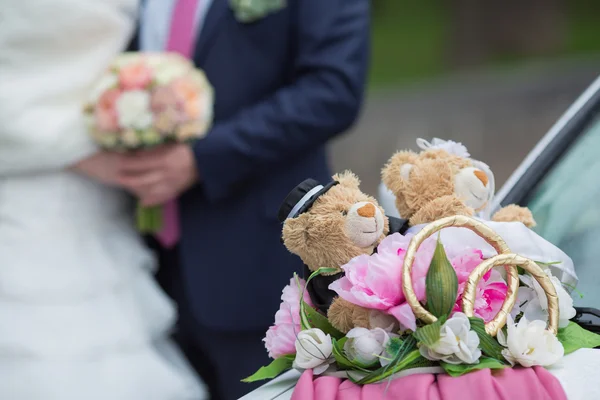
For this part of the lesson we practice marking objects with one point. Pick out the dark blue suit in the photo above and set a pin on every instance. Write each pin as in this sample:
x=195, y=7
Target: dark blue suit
x=284, y=86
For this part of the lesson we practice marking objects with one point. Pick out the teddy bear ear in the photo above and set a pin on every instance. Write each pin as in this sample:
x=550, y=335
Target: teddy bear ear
x=347, y=178
x=294, y=234
x=398, y=169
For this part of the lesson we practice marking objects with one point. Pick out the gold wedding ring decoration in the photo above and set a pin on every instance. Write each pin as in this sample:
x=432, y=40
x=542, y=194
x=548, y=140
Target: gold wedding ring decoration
x=504, y=258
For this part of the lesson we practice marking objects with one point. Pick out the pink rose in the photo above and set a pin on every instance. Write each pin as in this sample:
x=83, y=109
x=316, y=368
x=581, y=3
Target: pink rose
x=188, y=93
x=163, y=97
x=106, y=112
x=135, y=76
x=280, y=339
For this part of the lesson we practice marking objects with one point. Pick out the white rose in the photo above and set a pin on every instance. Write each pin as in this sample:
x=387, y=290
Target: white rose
x=125, y=59
x=169, y=71
x=133, y=109
x=155, y=60
x=313, y=351
x=366, y=346
x=529, y=343
x=533, y=303
x=108, y=81
x=458, y=344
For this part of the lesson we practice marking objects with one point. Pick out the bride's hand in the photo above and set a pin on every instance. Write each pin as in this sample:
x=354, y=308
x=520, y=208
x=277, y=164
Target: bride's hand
x=102, y=166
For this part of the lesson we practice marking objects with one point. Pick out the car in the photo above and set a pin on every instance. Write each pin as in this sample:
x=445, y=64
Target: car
x=560, y=182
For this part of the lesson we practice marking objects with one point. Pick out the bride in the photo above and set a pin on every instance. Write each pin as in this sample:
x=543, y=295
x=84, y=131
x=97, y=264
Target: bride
x=80, y=314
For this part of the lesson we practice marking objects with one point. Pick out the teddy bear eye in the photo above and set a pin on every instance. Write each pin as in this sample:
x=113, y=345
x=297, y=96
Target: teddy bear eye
x=344, y=212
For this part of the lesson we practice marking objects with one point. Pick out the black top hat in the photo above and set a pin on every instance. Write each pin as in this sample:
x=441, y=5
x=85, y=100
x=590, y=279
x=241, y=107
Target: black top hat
x=301, y=198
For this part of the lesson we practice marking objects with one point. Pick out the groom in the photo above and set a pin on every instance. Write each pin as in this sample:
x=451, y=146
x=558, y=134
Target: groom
x=288, y=77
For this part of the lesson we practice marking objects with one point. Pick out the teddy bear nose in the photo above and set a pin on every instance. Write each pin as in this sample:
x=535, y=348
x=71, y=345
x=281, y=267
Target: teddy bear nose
x=481, y=176
x=367, y=211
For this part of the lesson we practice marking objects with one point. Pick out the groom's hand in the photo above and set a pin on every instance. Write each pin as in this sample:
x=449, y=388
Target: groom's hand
x=159, y=175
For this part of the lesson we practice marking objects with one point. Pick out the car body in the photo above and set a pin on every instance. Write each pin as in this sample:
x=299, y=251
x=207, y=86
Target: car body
x=560, y=182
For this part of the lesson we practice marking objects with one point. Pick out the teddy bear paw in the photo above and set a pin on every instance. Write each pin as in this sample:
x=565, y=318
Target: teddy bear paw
x=344, y=315
x=442, y=207
x=515, y=213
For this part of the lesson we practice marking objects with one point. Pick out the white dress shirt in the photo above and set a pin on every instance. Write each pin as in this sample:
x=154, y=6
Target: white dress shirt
x=156, y=22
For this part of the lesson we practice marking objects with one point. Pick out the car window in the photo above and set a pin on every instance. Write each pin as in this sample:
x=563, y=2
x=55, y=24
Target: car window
x=566, y=206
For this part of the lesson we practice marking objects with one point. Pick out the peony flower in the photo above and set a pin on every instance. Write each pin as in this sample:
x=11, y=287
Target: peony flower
x=280, y=340
x=289, y=310
x=533, y=303
x=281, y=337
x=491, y=290
x=105, y=112
x=529, y=343
x=375, y=281
x=135, y=76
x=365, y=346
x=133, y=109
x=457, y=344
x=465, y=262
x=313, y=351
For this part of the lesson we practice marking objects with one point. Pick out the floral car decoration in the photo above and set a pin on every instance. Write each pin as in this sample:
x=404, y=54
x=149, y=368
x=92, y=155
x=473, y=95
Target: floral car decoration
x=447, y=308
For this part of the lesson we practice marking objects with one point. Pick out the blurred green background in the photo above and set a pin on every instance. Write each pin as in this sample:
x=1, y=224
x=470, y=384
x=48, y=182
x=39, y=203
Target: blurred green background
x=414, y=40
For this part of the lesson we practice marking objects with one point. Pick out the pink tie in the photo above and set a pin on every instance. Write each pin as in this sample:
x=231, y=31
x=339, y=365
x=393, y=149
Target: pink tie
x=181, y=40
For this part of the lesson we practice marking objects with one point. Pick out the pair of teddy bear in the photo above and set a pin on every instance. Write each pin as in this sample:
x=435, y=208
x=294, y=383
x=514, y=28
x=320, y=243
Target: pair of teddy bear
x=327, y=226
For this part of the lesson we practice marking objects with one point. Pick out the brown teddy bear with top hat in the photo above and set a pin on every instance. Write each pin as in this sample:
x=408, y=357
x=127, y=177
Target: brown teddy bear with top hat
x=327, y=226
x=442, y=181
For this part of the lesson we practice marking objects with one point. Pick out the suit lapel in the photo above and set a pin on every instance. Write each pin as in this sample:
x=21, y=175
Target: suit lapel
x=218, y=9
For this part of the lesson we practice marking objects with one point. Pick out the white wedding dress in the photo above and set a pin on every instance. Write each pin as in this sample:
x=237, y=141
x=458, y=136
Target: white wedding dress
x=81, y=316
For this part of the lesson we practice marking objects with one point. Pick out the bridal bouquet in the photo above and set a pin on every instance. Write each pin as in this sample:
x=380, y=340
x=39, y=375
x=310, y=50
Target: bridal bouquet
x=145, y=100
x=444, y=307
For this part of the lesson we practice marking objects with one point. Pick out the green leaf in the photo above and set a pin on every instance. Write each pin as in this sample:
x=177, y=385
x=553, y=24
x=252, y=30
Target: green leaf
x=547, y=264
x=400, y=361
x=311, y=318
x=441, y=283
x=461, y=369
x=344, y=362
x=429, y=334
x=318, y=320
x=574, y=337
x=394, y=346
x=384, y=372
x=276, y=367
x=338, y=353
x=489, y=345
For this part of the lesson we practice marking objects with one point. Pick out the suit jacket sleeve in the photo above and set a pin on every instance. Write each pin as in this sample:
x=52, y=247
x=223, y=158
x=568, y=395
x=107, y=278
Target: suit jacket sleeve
x=324, y=100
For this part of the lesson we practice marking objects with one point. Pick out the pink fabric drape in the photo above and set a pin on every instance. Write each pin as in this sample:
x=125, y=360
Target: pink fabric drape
x=509, y=384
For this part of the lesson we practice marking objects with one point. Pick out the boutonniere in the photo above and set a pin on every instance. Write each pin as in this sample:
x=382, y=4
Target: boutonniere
x=247, y=11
